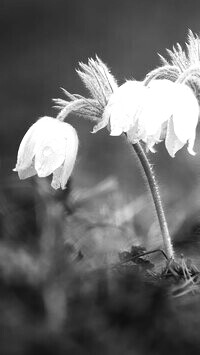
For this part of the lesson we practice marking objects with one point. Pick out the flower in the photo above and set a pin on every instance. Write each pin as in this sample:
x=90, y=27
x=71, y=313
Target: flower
x=143, y=111
x=49, y=146
x=124, y=105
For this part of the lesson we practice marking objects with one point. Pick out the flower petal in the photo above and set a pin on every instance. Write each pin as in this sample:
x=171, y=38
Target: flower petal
x=191, y=142
x=56, y=180
x=152, y=140
x=136, y=133
x=26, y=149
x=172, y=143
x=26, y=173
x=51, y=146
x=49, y=156
x=62, y=174
x=28, y=144
x=157, y=106
x=101, y=124
x=123, y=106
x=185, y=114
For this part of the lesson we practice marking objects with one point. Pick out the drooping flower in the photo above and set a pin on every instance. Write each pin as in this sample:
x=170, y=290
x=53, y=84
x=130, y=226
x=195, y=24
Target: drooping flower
x=48, y=147
x=123, y=108
x=141, y=111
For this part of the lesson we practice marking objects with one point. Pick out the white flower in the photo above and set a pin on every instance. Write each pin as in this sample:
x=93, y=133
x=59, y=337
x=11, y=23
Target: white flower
x=124, y=106
x=49, y=146
x=142, y=112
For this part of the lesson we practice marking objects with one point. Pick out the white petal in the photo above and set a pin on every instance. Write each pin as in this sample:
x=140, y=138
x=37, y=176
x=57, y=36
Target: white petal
x=101, y=124
x=185, y=114
x=56, y=180
x=49, y=156
x=157, y=106
x=152, y=140
x=191, y=142
x=136, y=133
x=26, y=149
x=50, y=147
x=26, y=173
x=61, y=175
x=123, y=106
x=172, y=143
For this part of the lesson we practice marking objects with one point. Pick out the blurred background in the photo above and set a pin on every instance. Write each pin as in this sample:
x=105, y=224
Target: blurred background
x=42, y=43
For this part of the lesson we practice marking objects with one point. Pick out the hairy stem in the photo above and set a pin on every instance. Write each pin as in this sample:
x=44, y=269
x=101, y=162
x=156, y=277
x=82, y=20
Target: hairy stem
x=156, y=198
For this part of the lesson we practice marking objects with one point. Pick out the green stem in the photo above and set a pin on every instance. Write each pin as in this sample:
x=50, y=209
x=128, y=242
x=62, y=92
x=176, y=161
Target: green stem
x=156, y=198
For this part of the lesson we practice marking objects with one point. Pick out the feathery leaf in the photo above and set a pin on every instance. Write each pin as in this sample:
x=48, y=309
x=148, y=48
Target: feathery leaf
x=100, y=83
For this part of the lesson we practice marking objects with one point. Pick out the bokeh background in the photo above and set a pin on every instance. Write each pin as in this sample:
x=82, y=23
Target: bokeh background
x=42, y=42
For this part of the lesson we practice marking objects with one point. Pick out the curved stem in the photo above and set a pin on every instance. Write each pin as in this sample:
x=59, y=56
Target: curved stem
x=156, y=198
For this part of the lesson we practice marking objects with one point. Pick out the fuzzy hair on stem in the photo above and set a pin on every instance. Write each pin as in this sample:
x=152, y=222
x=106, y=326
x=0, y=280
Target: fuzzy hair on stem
x=182, y=65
